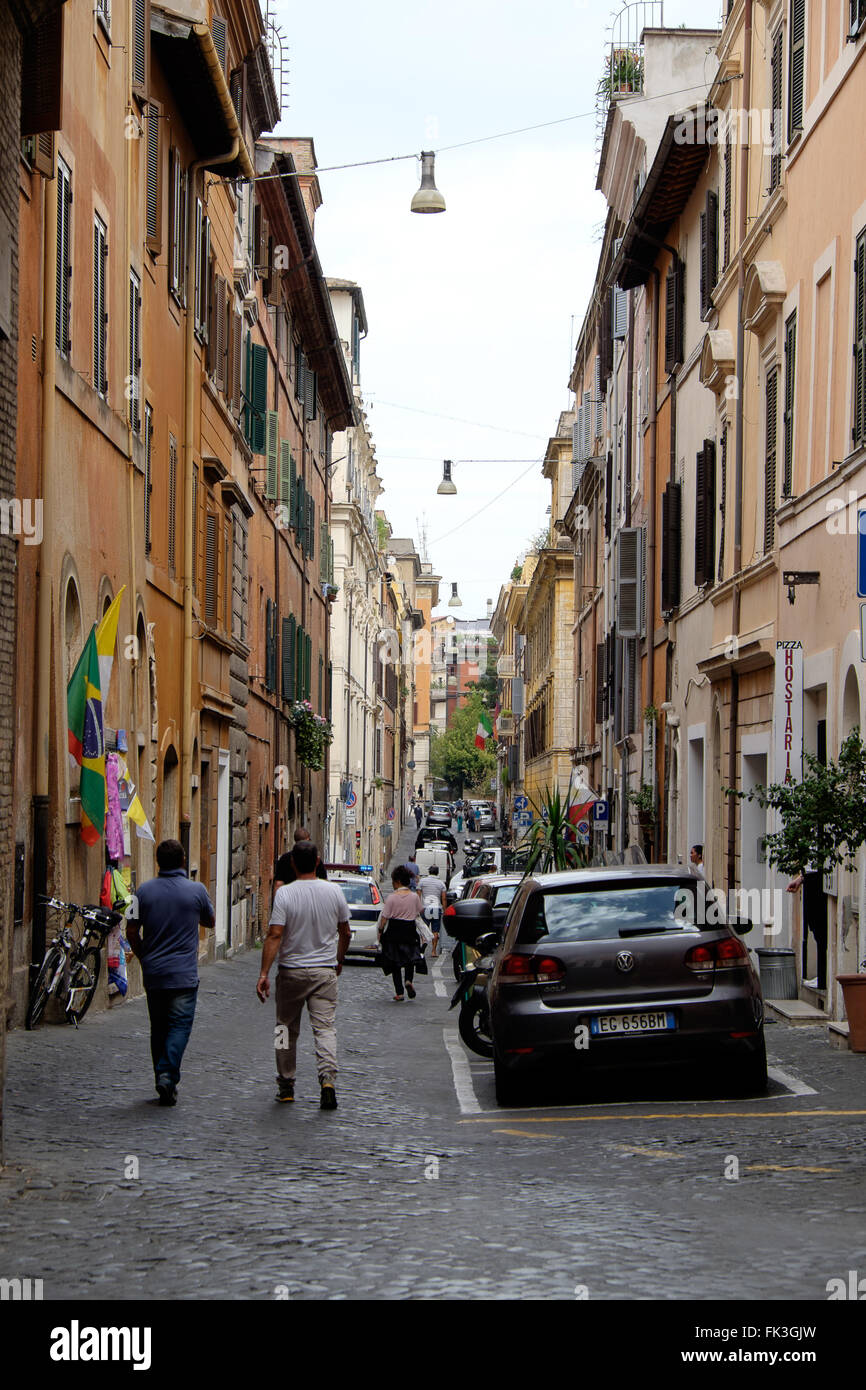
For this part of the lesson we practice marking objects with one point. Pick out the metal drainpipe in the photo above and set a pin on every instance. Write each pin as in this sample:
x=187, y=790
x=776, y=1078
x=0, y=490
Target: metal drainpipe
x=738, y=461
x=188, y=519
x=651, y=524
x=44, y=682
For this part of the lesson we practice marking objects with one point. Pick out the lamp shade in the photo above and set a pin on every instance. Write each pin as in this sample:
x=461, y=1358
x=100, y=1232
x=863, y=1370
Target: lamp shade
x=428, y=198
x=455, y=600
x=446, y=488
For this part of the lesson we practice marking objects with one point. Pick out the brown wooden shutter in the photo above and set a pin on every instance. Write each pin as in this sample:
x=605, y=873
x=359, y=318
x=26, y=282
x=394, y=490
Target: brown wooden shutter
x=172, y=501
x=599, y=683
x=790, y=383
x=42, y=76
x=772, y=395
x=858, y=432
x=726, y=251
x=154, y=178
x=210, y=570
x=705, y=520
x=796, y=66
x=43, y=153
x=671, y=524
x=723, y=490
x=140, y=47
x=220, y=324
x=236, y=355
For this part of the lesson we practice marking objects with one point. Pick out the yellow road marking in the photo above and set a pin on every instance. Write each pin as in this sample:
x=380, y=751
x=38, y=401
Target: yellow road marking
x=625, y=1117
x=526, y=1133
x=786, y=1168
x=646, y=1153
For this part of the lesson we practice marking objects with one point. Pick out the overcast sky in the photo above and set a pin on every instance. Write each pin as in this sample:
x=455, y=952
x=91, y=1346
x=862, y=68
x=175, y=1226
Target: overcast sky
x=472, y=313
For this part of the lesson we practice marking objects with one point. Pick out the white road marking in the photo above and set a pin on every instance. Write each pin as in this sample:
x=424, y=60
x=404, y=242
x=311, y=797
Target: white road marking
x=795, y=1086
x=466, y=1097
x=438, y=982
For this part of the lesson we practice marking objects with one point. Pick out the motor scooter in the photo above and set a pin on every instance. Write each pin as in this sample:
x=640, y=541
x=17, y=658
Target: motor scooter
x=473, y=1021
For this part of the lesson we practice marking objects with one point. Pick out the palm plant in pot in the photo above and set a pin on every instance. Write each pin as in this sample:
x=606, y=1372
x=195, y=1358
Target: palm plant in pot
x=551, y=842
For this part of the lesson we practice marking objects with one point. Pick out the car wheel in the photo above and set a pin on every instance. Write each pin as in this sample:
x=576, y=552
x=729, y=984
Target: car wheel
x=510, y=1085
x=751, y=1071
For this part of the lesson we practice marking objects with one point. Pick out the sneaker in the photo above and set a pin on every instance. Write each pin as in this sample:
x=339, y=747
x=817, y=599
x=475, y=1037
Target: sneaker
x=329, y=1096
x=286, y=1091
x=167, y=1092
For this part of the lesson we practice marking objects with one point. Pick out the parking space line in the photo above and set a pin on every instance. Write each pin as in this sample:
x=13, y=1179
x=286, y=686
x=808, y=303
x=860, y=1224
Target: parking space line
x=466, y=1097
x=489, y=1117
x=793, y=1084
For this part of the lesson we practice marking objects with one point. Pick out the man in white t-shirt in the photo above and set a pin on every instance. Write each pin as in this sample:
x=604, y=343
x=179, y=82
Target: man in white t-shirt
x=431, y=891
x=309, y=928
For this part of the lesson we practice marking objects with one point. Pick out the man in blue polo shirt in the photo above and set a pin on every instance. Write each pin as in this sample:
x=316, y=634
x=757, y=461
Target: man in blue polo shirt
x=162, y=929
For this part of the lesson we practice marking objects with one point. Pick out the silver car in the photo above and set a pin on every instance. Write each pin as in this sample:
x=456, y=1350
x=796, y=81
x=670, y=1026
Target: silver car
x=365, y=907
x=623, y=967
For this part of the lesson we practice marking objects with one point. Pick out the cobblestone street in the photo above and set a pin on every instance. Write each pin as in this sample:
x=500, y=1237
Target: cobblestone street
x=237, y=1197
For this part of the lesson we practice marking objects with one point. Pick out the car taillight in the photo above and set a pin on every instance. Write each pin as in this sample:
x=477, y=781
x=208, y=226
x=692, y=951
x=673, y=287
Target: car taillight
x=517, y=969
x=727, y=954
x=374, y=890
x=450, y=911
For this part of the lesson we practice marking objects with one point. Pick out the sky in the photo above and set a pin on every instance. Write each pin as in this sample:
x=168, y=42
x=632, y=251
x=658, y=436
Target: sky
x=473, y=312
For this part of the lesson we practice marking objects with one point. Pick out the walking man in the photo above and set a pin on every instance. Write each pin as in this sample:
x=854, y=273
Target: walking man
x=419, y=816
x=431, y=891
x=162, y=930
x=309, y=928
x=284, y=871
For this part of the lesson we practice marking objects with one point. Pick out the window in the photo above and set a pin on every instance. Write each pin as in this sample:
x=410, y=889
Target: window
x=177, y=218
x=134, y=377
x=62, y=338
x=256, y=396
x=103, y=14
x=356, y=346
x=705, y=514
x=857, y=16
x=771, y=404
x=153, y=215
x=172, y=502
x=776, y=99
x=202, y=271
x=674, y=301
x=100, y=306
x=140, y=46
x=796, y=66
x=728, y=166
x=790, y=384
x=148, y=473
x=859, y=430
x=194, y=525
x=288, y=672
x=723, y=497
x=709, y=252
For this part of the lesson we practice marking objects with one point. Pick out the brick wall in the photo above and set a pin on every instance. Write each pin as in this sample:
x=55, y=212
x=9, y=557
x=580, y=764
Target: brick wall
x=10, y=107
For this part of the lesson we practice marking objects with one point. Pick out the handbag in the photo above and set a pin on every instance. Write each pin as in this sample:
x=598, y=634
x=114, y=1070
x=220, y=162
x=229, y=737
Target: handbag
x=424, y=931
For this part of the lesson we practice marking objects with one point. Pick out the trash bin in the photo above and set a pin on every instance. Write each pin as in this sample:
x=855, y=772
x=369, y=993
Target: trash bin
x=778, y=972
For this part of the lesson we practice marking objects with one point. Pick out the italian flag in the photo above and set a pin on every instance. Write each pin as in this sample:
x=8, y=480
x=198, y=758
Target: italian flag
x=484, y=730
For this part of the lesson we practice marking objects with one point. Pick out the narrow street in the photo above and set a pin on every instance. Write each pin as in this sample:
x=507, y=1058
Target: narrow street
x=418, y=1186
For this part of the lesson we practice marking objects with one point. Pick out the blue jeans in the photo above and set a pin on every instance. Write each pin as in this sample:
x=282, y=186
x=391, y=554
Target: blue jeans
x=171, y=1014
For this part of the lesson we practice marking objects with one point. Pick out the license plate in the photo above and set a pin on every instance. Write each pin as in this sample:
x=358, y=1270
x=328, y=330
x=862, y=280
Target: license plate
x=605, y=1025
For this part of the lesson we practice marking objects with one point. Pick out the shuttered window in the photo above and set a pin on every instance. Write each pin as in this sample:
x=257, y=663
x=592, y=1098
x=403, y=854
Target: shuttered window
x=857, y=15
x=140, y=46
x=671, y=526
x=227, y=577
x=859, y=429
x=608, y=495
x=674, y=303
x=202, y=271
x=600, y=688
x=796, y=66
x=134, y=353
x=300, y=513
x=173, y=501
x=628, y=581
x=310, y=544
x=42, y=75
x=289, y=627
x=776, y=97
x=321, y=683
x=285, y=479
x=790, y=387
x=63, y=341
x=148, y=472
x=218, y=333
x=709, y=251
x=308, y=665
x=272, y=454
x=270, y=645
x=218, y=32
x=771, y=406
x=723, y=498
x=299, y=664
x=100, y=306
x=256, y=396
x=605, y=333
x=194, y=525
x=300, y=373
x=705, y=514
x=726, y=246
x=153, y=214
x=177, y=220
x=233, y=386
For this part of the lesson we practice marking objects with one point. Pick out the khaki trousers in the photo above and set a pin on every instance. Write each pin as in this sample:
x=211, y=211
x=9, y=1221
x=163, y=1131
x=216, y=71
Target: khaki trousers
x=317, y=987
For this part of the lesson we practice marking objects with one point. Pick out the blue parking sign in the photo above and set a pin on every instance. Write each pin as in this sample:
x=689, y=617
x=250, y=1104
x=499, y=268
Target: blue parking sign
x=600, y=812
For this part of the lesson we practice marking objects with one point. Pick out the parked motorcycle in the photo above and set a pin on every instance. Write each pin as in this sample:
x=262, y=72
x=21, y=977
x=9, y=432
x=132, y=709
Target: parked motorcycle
x=473, y=1021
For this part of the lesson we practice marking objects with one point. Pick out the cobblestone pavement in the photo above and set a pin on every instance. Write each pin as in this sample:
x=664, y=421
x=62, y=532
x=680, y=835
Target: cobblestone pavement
x=106, y=1195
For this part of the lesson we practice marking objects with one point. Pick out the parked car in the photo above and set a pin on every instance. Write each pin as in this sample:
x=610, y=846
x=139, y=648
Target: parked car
x=433, y=832
x=483, y=813
x=619, y=967
x=499, y=891
x=365, y=906
x=440, y=815
x=486, y=861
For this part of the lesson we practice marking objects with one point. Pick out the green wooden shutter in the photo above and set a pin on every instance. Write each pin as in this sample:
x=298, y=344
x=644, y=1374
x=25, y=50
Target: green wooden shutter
x=772, y=392
x=293, y=492
x=299, y=663
x=859, y=429
x=796, y=66
x=311, y=527
x=330, y=559
x=288, y=672
x=776, y=97
x=258, y=396
x=790, y=381
x=285, y=476
x=272, y=440
x=308, y=665
x=300, y=515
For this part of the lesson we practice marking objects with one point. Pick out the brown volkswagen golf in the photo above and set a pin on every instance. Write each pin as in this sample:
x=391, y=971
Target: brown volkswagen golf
x=623, y=967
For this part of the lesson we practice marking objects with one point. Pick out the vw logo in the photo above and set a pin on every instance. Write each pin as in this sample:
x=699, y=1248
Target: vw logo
x=625, y=961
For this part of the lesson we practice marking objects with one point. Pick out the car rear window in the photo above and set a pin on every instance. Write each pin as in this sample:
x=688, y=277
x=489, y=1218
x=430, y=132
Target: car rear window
x=598, y=913
x=504, y=894
x=354, y=892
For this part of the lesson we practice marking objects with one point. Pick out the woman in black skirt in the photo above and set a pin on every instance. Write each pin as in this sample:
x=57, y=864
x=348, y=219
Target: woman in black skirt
x=398, y=934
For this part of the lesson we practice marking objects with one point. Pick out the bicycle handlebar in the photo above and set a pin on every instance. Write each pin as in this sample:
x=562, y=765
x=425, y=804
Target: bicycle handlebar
x=96, y=916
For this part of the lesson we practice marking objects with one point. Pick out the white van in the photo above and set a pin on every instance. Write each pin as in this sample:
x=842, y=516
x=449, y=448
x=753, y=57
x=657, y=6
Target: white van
x=427, y=857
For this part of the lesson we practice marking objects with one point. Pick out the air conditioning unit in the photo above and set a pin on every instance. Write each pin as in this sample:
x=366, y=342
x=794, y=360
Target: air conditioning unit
x=505, y=725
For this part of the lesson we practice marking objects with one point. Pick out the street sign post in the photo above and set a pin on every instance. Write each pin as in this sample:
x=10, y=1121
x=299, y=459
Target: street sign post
x=521, y=803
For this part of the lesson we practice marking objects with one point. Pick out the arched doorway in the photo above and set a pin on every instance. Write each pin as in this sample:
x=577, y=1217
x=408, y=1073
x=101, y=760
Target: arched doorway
x=168, y=819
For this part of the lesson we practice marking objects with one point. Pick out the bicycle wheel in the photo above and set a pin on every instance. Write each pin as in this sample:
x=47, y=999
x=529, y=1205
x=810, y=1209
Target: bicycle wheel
x=42, y=987
x=83, y=978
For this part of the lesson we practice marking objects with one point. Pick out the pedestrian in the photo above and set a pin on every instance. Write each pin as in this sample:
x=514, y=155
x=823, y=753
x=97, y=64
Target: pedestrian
x=284, y=870
x=309, y=933
x=419, y=816
x=696, y=856
x=460, y=819
x=431, y=891
x=470, y=820
x=413, y=871
x=398, y=935
x=162, y=929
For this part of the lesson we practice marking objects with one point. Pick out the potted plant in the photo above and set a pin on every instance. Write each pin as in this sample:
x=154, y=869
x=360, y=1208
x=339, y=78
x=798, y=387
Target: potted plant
x=551, y=840
x=823, y=824
x=644, y=802
x=313, y=734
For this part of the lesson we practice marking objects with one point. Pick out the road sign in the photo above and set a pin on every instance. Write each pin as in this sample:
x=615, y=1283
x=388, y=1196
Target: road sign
x=350, y=817
x=524, y=818
x=351, y=799
x=861, y=554
x=521, y=803
x=600, y=812
x=390, y=813
x=583, y=829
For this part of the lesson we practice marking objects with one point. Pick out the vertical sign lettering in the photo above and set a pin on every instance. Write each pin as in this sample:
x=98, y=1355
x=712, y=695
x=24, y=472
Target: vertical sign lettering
x=788, y=712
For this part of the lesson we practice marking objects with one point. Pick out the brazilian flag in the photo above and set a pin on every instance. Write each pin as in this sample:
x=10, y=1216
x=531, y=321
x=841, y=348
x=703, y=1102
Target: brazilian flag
x=86, y=739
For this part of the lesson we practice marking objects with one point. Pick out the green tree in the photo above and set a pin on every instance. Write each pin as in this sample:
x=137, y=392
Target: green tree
x=453, y=755
x=823, y=817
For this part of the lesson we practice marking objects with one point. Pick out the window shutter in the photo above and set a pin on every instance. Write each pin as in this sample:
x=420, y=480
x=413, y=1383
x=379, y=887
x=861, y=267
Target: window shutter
x=42, y=76
x=674, y=311
x=776, y=97
x=311, y=402
x=293, y=493
x=620, y=312
x=796, y=66
x=599, y=683
x=210, y=570
x=172, y=501
x=311, y=527
x=671, y=530
x=299, y=663
x=859, y=429
x=204, y=307
x=236, y=356
x=723, y=500
x=154, y=178
x=606, y=338
x=712, y=244
x=174, y=220
x=628, y=599
x=630, y=679
x=790, y=382
x=272, y=427
x=726, y=250
x=288, y=658
x=308, y=665
x=194, y=526
x=330, y=559
x=134, y=352
x=275, y=278
x=587, y=440
x=217, y=335
x=43, y=154
x=705, y=503
x=608, y=495
x=772, y=390
x=599, y=399
x=100, y=317
x=285, y=475
x=218, y=30
x=258, y=396
x=64, y=266
x=140, y=46
x=148, y=472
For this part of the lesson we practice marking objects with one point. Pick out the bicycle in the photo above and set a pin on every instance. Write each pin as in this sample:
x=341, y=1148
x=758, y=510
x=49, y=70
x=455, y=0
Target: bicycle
x=71, y=964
